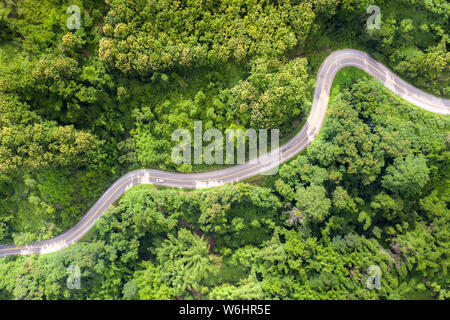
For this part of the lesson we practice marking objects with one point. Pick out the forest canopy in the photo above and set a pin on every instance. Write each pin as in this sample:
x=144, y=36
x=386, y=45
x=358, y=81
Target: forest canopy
x=81, y=107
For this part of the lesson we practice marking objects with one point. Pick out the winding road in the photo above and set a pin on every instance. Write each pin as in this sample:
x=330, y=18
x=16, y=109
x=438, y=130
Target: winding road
x=334, y=62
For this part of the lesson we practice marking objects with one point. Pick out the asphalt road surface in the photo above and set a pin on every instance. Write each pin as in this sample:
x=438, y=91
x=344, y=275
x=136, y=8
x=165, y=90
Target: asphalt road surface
x=334, y=62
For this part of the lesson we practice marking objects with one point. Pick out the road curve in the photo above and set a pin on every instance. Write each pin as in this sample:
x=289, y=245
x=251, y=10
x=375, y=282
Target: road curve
x=332, y=64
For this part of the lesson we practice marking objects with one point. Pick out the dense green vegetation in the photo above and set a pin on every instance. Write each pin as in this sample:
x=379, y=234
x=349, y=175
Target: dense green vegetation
x=78, y=108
